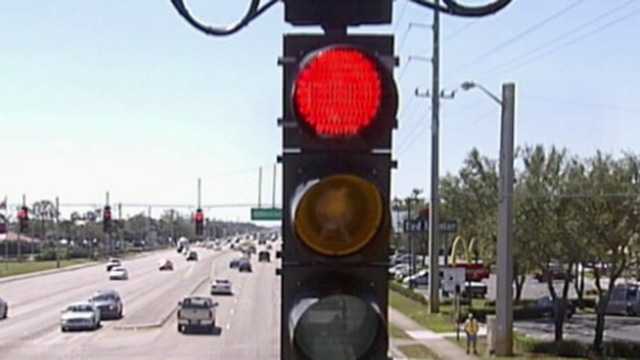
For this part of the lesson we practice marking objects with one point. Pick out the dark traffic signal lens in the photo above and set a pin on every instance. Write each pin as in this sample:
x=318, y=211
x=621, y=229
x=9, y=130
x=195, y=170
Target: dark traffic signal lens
x=336, y=327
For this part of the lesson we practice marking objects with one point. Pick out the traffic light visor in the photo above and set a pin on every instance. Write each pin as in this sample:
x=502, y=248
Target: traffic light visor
x=338, y=215
x=337, y=327
x=339, y=91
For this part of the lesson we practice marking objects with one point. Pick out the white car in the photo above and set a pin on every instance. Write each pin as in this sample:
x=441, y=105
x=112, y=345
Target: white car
x=82, y=315
x=4, y=309
x=118, y=273
x=221, y=287
x=196, y=311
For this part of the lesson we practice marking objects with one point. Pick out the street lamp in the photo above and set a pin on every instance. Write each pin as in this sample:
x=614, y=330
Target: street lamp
x=504, y=300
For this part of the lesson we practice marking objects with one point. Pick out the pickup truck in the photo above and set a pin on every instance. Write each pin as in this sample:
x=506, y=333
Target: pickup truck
x=196, y=312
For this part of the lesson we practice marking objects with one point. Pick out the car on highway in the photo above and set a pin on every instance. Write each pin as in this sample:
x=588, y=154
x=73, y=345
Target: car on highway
x=119, y=273
x=4, y=309
x=221, y=287
x=233, y=264
x=81, y=315
x=192, y=256
x=165, y=265
x=244, y=265
x=196, y=312
x=109, y=304
x=264, y=256
x=112, y=263
x=624, y=300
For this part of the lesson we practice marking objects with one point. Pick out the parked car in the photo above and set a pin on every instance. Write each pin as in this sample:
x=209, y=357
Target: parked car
x=192, y=256
x=196, y=312
x=475, y=290
x=264, y=256
x=624, y=300
x=118, y=273
x=112, y=263
x=82, y=315
x=420, y=278
x=244, y=265
x=109, y=303
x=221, y=287
x=4, y=309
x=399, y=271
x=543, y=307
x=234, y=263
x=474, y=271
x=165, y=265
x=555, y=271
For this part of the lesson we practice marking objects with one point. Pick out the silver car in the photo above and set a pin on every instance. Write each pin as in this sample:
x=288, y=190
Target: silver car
x=82, y=315
x=109, y=303
x=118, y=273
x=4, y=309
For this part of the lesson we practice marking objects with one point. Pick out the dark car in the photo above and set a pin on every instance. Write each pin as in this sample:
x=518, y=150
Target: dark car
x=113, y=263
x=244, y=266
x=234, y=263
x=109, y=303
x=264, y=256
x=543, y=307
x=4, y=309
x=193, y=256
x=165, y=265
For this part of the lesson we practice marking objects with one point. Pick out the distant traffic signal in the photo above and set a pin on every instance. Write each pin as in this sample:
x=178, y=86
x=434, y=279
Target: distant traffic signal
x=23, y=219
x=106, y=219
x=199, y=220
x=340, y=103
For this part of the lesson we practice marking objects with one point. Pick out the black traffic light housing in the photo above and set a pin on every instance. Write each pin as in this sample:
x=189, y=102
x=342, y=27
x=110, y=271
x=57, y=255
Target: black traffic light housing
x=352, y=12
x=107, y=219
x=199, y=220
x=23, y=219
x=308, y=276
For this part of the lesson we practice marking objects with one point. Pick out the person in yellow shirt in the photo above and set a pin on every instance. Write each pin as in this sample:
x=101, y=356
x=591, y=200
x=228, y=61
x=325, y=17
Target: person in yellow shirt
x=471, y=328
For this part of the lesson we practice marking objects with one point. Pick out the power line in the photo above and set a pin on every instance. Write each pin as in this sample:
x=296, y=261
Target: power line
x=403, y=39
x=524, y=33
x=458, y=32
x=572, y=31
x=566, y=44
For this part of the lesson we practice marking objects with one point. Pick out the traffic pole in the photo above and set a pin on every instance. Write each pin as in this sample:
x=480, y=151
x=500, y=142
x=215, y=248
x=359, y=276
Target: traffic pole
x=434, y=278
x=56, y=234
x=504, y=301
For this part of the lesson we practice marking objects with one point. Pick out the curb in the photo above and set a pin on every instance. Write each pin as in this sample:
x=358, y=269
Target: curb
x=64, y=269
x=395, y=353
x=162, y=321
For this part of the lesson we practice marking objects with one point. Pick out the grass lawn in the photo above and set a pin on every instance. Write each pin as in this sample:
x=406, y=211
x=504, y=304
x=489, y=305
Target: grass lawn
x=442, y=322
x=519, y=354
x=25, y=267
x=417, y=352
x=397, y=333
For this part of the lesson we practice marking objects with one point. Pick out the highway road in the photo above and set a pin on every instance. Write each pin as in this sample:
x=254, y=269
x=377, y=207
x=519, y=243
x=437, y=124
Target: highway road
x=248, y=321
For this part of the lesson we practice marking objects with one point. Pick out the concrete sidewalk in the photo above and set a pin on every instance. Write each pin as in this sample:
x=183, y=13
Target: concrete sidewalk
x=437, y=343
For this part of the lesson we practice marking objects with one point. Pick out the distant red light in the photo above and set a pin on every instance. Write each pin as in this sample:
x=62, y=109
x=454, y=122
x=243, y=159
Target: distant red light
x=339, y=92
x=199, y=216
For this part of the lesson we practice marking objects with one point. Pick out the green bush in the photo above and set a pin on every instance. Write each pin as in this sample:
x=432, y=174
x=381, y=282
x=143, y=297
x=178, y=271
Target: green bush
x=623, y=350
x=47, y=255
x=406, y=292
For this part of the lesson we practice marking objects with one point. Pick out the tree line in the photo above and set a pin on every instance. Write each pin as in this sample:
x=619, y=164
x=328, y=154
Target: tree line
x=569, y=211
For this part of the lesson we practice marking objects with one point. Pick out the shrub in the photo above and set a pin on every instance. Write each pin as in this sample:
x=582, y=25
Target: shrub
x=408, y=293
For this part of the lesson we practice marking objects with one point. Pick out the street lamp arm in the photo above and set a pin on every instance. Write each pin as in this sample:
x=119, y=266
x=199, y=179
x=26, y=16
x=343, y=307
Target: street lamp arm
x=468, y=85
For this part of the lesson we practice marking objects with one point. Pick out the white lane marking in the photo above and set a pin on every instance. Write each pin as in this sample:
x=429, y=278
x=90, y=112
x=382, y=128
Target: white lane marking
x=228, y=326
x=232, y=311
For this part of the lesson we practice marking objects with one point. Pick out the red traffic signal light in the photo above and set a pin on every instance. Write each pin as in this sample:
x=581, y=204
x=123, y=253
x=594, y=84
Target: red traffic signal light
x=339, y=91
x=199, y=219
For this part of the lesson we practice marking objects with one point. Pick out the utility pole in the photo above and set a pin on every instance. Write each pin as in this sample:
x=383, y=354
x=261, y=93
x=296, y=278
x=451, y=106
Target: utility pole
x=6, y=243
x=109, y=245
x=19, y=247
x=504, y=301
x=412, y=248
x=199, y=193
x=56, y=233
x=259, y=187
x=434, y=221
x=273, y=190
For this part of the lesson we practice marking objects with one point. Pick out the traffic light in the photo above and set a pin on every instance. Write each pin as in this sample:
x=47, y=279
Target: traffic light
x=199, y=217
x=340, y=102
x=352, y=12
x=106, y=219
x=23, y=219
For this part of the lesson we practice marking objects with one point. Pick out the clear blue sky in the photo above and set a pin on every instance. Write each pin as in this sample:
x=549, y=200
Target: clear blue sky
x=125, y=96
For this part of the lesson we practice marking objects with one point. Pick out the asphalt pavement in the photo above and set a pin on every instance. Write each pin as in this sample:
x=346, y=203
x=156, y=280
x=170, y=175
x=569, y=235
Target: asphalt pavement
x=248, y=321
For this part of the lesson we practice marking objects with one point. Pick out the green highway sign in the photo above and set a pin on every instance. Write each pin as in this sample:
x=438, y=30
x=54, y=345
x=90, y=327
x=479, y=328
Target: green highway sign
x=266, y=214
